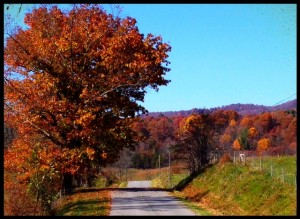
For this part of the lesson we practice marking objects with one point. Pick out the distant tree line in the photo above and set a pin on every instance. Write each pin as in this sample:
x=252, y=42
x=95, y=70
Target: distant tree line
x=194, y=139
x=241, y=109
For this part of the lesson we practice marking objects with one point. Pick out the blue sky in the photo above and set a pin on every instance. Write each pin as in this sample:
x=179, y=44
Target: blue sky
x=221, y=53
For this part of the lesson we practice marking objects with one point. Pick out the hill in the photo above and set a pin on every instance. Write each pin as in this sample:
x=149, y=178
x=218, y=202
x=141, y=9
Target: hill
x=236, y=189
x=242, y=109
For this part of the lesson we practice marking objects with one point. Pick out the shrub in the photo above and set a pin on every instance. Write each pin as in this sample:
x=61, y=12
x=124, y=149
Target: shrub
x=225, y=158
x=18, y=202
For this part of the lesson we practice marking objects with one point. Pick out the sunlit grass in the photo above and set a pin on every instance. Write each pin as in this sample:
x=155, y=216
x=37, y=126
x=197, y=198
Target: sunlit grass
x=235, y=189
x=85, y=204
x=123, y=184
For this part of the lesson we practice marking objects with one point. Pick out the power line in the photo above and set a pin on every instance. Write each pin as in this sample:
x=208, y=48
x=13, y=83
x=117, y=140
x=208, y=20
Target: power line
x=283, y=100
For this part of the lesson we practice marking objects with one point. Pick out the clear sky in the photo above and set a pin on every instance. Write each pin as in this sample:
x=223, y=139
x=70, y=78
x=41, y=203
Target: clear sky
x=221, y=53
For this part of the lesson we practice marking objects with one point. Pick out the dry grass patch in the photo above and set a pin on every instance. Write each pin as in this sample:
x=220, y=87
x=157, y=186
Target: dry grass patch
x=96, y=203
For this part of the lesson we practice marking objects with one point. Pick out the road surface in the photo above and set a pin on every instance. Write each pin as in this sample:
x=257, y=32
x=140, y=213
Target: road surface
x=139, y=199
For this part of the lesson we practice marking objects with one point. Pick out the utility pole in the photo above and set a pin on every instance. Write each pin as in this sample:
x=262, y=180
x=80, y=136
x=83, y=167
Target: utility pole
x=159, y=166
x=170, y=168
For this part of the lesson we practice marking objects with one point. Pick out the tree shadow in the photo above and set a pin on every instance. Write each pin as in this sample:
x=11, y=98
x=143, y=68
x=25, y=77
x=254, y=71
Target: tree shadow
x=82, y=206
x=199, y=196
x=183, y=183
x=136, y=189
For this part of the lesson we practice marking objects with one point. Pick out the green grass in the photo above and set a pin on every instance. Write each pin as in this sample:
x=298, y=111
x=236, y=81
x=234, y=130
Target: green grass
x=100, y=182
x=81, y=208
x=235, y=189
x=283, y=165
x=96, y=203
x=162, y=180
x=123, y=184
x=93, y=201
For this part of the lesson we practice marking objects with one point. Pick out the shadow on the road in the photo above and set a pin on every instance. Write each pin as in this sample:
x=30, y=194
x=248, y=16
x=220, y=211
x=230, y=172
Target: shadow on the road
x=181, y=185
x=82, y=190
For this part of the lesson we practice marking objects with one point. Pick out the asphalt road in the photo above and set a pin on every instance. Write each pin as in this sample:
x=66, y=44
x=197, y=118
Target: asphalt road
x=139, y=199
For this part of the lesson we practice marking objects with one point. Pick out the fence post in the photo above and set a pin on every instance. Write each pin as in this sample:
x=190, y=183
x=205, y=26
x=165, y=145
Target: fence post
x=170, y=180
x=242, y=158
x=158, y=165
x=234, y=157
x=271, y=169
x=296, y=182
x=260, y=162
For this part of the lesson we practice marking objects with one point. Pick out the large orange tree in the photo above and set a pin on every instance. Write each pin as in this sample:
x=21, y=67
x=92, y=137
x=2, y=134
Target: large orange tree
x=73, y=80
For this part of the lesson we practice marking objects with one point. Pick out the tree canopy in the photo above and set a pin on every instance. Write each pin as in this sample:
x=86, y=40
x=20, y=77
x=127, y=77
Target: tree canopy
x=72, y=83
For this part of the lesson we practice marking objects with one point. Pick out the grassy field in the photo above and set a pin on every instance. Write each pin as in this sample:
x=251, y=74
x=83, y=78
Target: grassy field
x=281, y=168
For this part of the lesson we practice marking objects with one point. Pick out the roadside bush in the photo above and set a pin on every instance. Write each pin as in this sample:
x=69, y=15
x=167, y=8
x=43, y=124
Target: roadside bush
x=18, y=202
x=225, y=158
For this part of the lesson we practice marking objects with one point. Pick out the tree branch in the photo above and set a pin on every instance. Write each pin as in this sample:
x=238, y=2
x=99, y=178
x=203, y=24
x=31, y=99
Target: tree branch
x=45, y=133
x=119, y=86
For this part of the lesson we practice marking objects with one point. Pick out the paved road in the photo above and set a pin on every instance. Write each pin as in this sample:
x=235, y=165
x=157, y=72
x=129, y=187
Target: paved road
x=138, y=199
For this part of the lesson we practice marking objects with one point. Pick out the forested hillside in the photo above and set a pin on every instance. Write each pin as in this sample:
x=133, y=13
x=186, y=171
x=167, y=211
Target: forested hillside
x=242, y=109
x=272, y=133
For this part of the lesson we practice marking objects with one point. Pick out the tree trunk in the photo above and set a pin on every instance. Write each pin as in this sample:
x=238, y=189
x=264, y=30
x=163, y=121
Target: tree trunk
x=68, y=187
x=89, y=180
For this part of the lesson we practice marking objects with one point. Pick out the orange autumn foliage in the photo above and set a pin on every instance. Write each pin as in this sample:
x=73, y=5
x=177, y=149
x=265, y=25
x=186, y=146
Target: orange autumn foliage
x=252, y=132
x=73, y=82
x=82, y=75
x=236, y=145
x=232, y=123
x=263, y=144
x=19, y=202
x=225, y=138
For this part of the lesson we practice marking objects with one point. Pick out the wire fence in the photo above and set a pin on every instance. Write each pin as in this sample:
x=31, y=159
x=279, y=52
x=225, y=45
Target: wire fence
x=274, y=167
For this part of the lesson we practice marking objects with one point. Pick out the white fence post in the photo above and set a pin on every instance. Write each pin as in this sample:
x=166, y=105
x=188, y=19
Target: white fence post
x=271, y=170
x=260, y=163
x=234, y=157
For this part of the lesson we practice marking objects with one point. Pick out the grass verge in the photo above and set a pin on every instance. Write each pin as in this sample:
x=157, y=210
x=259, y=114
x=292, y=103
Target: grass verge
x=86, y=203
x=235, y=189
